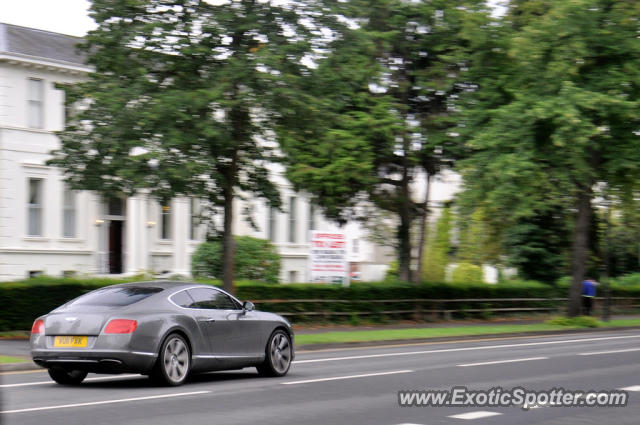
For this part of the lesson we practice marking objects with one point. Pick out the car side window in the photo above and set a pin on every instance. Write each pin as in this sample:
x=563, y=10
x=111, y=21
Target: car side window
x=211, y=299
x=182, y=299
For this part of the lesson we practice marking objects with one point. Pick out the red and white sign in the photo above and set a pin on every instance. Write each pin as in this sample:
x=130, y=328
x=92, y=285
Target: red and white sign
x=328, y=259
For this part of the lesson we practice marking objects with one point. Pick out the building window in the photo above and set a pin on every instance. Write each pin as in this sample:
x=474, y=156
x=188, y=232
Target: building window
x=35, y=100
x=115, y=206
x=271, y=225
x=68, y=213
x=356, y=246
x=292, y=219
x=34, y=227
x=312, y=220
x=165, y=222
x=193, y=219
x=293, y=276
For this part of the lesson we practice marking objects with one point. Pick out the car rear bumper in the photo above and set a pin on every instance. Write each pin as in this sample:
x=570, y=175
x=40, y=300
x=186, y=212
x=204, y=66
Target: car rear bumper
x=103, y=361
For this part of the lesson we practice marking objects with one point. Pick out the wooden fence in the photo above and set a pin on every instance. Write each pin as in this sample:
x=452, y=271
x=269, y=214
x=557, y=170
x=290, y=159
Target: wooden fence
x=433, y=309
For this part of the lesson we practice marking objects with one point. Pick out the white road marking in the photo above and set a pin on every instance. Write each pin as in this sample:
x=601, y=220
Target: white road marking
x=98, y=378
x=475, y=415
x=609, y=352
x=450, y=350
x=502, y=361
x=631, y=388
x=96, y=403
x=336, y=378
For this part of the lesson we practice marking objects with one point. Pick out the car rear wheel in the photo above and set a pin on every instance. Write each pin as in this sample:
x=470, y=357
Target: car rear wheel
x=174, y=361
x=278, y=355
x=67, y=377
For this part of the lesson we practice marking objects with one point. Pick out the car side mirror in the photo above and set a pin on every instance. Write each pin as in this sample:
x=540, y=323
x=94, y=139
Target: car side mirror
x=248, y=306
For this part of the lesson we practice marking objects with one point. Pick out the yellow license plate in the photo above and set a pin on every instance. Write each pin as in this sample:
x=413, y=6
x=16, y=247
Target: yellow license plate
x=70, y=341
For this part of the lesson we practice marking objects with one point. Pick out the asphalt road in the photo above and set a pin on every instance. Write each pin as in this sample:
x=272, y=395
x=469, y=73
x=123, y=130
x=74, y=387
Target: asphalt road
x=353, y=386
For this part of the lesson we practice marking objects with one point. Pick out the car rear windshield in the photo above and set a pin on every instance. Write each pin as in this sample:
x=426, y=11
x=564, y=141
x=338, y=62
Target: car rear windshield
x=115, y=297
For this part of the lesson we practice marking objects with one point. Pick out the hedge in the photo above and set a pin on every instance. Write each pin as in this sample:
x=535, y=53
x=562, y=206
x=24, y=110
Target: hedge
x=23, y=301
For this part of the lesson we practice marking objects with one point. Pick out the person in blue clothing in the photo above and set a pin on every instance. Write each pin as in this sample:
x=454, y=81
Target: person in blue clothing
x=588, y=294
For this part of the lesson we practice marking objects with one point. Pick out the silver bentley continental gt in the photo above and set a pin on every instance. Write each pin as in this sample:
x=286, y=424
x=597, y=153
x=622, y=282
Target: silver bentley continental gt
x=166, y=330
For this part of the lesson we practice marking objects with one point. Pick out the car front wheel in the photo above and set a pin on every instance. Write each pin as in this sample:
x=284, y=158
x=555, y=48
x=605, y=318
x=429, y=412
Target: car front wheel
x=67, y=377
x=278, y=355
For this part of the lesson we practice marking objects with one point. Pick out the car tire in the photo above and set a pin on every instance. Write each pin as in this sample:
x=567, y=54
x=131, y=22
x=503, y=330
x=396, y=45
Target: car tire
x=174, y=362
x=278, y=355
x=67, y=377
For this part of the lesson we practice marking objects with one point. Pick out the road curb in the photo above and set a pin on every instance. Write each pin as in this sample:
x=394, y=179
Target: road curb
x=314, y=347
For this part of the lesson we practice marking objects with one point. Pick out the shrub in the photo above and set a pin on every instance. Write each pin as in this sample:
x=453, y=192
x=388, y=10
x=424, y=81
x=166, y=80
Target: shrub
x=256, y=259
x=467, y=272
x=579, y=321
x=436, y=254
x=23, y=301
x=392, y=272
x=632, y=279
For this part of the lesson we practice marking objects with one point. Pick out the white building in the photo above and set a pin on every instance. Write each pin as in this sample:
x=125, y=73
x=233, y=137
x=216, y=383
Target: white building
x=47, y=229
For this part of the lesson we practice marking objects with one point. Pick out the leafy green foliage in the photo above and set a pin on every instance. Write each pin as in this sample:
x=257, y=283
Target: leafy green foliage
x=391, y=274
x=466, y=272
x=578, y=321
x=538, y=246
x=555, y=112
x=619, y=234
x=24, y=301
x=479, y=240
x=632, y=279
x=381, y=110
x=436, y=256
x=256, y=259
x=184, y=99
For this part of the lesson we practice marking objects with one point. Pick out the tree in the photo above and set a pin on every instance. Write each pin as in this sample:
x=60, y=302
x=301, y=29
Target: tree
x=437, y=250
x=560, y=117
x=619, y=230
x=537, y=245
x=183, y=99
x=381, y=106
x=478, y=240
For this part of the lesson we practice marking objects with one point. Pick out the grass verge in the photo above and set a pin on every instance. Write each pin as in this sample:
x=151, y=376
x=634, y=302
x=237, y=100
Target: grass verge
x=9, y=359
x=433, y=332
x=15, y=335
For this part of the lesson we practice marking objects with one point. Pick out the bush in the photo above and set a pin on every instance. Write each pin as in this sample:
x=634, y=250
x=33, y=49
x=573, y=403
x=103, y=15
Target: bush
x=392, y=272
x=467, y=272
x=632, y=279
x=436, y=255
x=579, y=321
x=256, y=259
x=23, y=301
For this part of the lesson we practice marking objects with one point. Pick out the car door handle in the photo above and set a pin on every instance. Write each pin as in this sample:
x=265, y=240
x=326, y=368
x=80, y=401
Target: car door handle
x=206, y=319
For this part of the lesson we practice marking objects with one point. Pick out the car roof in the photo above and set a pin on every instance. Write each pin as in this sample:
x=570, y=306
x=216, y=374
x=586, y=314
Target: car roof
x=174, y=285
x=165, y=284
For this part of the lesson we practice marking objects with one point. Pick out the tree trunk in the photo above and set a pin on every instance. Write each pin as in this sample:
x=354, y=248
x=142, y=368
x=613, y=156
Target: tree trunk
x=404, y=230
x=404, y=254
x=579, y=250
x=417, y=278
x=228, y=244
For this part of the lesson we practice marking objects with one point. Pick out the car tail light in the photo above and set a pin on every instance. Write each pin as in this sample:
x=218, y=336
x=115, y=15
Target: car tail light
x=38, y=327
x=121, y=326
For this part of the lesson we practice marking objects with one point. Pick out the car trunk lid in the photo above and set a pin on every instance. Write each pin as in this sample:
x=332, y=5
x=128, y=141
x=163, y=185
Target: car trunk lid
x=76, y=322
